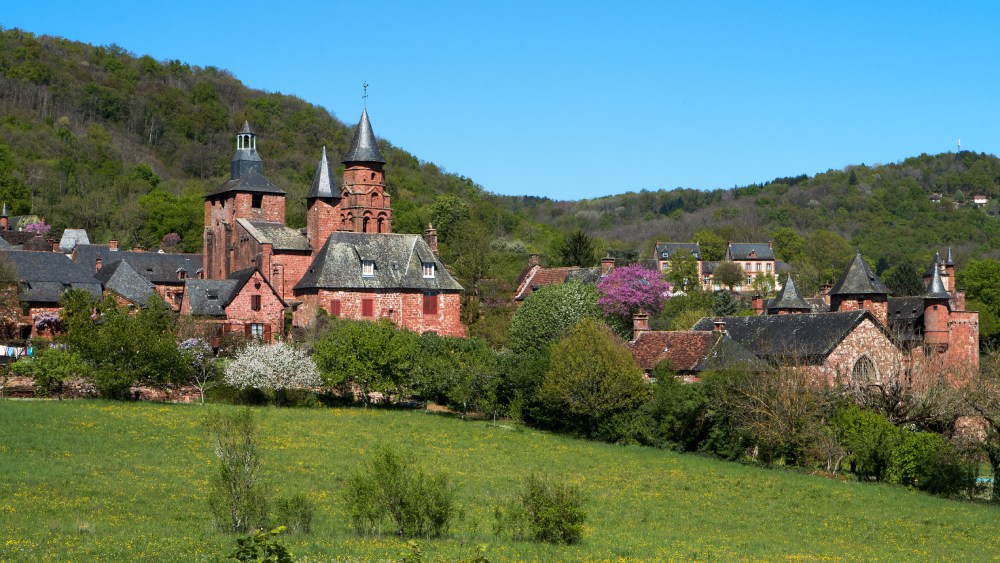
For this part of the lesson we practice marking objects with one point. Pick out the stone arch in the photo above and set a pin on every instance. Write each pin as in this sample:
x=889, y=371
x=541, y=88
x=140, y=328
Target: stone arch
x=864, y=370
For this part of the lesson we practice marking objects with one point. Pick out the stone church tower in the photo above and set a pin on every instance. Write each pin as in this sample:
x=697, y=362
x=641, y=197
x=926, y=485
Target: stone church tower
x=365, y=207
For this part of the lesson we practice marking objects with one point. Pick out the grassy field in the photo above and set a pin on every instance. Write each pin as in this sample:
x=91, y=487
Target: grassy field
x=82, y=480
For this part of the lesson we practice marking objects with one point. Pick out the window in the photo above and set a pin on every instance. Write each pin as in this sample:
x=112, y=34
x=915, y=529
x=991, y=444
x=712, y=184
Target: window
x=368, y=268
x=757, y=267
x=707, y=280
x=747, y=267
x=428, y=269
x=768, y=266
x=256, y=200
x=335, y=307
x=257, y=330
x=864, y=370
x=367, y=307
x=749, y=281
x=430, y=302
x=255, y=302
x=182, y=274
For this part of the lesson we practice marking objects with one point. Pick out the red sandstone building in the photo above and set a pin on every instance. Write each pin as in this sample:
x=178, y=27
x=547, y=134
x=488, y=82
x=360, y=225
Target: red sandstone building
x=346, y=261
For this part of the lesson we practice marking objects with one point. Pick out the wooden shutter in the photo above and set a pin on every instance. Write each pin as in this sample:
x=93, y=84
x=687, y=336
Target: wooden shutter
x=367, y=307
x=335, y=307
x=430, y=303
x=255, y=302
x=267, y=332
x=247, y=331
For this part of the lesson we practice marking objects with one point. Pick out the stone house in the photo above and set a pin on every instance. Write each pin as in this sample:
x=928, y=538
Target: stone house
x=166, y=271
x=244, y=304
x=42, y=278
x=756, y=258
x=535, y=276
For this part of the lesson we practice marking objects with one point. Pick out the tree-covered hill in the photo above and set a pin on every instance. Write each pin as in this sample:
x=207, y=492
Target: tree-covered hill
x=125, y=145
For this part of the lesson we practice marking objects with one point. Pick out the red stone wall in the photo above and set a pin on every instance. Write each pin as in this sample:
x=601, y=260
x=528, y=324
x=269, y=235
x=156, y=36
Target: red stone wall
x=286, y=268
x=221, y=213
x=405, y=309
x=865, y=339
x=271, y=309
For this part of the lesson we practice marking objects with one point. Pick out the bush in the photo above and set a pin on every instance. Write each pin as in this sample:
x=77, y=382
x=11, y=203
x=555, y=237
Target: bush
x=869, y=438
x=50, y=368
x=389, y=490
x=237, y=498
x=678, y=412
x=262, y=546
x=295, y=513
x=548, y=314
x=543, y=510
x=926, y=461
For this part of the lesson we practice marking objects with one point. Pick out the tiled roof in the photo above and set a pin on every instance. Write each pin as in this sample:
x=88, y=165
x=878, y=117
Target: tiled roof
x=859, y=279
x=690, y=351
x=744, y=250
x=364, y=147
x=668, y=250
x=121, y=278
x=708, y=267
x=280, y=236
x=211, y=297
x=398, y=264
x=157, y=267
x=45, y=276
x=71, y=238
x=789, y=299
x=538, y=277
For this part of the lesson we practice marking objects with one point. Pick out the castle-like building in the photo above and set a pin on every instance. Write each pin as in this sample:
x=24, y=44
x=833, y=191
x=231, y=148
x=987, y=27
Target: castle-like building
x=346, y=261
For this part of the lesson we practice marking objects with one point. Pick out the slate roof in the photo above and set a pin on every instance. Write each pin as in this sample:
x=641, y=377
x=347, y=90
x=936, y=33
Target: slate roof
x=157, y=267
x=859, y=279
x=279, y=235
x=935, y=265
x=708, y=267
x=398, y=263
x=743, y=250
x=44, y=276
x=667, y=250
x=806, y=337
x=324, y=181
x=211, y=297
x=950, y=259
x=364, y=147
x=37, y=243
x=906, y=317
x=122, y=278
x=71, y=238
x=17, y=238
x=689, y=351
x=247, y=130
x=584, y=275
x=936, y=288
x=789, y=299
x=251, y=180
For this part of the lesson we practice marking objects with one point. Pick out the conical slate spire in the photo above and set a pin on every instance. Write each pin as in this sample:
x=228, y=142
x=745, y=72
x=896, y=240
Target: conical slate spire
x=324, y=185
x=936, y=290
x=247, y=130
x=789, y=299
x=859, y=279
x=364, y=148
x=4, y=213
x=950, y=260
x=935, y=265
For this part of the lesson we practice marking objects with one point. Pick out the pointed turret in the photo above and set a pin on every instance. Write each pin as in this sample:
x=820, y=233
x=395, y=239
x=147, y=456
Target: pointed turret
x=324, y=186
x=937, y=313
x=788, y=300
x=935, y=265
x=4, y=224
x=936, y=289
x=950, y=260
x=246, y=158
x=860, y=288
x=364, y=147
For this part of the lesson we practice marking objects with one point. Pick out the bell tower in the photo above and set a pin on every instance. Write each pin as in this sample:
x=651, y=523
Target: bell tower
x=365, y=205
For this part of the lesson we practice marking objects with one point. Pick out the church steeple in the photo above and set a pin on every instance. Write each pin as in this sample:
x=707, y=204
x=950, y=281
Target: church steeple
x=246, y=157
x=364, y=147
x=365, y=205
x=323, y=199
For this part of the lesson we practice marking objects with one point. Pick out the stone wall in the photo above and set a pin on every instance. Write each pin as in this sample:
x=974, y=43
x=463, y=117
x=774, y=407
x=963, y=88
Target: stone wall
x=405, y=309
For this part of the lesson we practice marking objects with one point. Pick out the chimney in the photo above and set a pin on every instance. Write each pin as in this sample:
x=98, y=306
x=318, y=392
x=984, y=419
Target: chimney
x=606, y=264
x=4, y=226
x=770, y=244
x=431, y=238
x=55, y=247
x=640, y=322
x=534, y=260
x=97, y=264
x=113, y=244
x=824, y=292
x=757, y=302
x=138, y=248
x=719, y=325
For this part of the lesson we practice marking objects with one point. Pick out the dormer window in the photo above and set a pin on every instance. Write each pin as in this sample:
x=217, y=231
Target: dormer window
x=182, y=274
x=368, y=268
x=428, y=269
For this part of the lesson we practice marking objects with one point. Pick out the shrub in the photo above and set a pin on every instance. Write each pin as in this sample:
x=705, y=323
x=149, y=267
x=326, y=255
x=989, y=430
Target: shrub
x=295, y=513
x=388, y=489
x=869, y=438
x=543, y=510
x=237, y=498
x=928, y=462
x=677, y=412
x=547, y=314
x=50, y=368
x=262, y=546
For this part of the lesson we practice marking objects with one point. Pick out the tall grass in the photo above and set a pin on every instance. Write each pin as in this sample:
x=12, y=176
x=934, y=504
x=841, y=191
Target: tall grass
x=83, y=480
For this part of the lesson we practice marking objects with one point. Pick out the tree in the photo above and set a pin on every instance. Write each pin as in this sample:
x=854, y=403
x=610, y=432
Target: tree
x=763, y=285
x=376, y=357
x=903, y=279
x=788, y=244
x=592, y=377
x=828, y=254
x=729, y=274
x=237, y=499
x=982, y=396
x=446, y=212
x=713, y=246
x=630, y=289
x=547, y=314
x=201, y=358
x=682, y=272
x=50, y=368
x=577, y=250
x=277, y=366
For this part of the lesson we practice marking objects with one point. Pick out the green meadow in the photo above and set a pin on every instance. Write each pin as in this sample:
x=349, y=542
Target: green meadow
x=90, y=480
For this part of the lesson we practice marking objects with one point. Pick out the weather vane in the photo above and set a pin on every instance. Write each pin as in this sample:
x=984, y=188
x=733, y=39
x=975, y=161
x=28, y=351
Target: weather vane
x=365, y=95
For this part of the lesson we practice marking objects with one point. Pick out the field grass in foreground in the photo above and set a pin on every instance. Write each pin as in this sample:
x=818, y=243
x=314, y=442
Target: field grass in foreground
x=82, y=480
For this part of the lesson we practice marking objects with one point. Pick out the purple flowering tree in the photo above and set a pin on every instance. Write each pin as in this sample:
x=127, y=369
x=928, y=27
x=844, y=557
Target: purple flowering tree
x=39, y=228
x=170, y=242
x=49, y=321
x=626, y=290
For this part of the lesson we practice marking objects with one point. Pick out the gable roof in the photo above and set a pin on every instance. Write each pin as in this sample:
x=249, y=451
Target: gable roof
x=364, y=147
x=280, y=236
x=806, y=337
x=398, y=262
x=744, y=250
x=122, y=279
x=157, y=267
x=689, y=351
x=44, y=276
x=906, y=317
x=668, y=250
x=211, y=297
x=538, y=277
x=71, y=238
x=789, y=299
x=859, y=279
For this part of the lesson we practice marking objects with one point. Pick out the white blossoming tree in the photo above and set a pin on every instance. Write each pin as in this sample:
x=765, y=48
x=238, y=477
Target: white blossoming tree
x=276, y=367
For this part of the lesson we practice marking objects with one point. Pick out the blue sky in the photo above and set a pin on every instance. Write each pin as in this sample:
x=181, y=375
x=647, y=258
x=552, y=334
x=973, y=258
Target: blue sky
x=582, y=99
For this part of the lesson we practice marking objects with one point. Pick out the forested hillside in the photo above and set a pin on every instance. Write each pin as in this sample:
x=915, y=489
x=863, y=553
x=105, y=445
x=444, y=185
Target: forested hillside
x=125, y=145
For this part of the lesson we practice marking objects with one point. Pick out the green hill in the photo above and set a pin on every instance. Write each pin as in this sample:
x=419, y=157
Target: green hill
x=85, y=480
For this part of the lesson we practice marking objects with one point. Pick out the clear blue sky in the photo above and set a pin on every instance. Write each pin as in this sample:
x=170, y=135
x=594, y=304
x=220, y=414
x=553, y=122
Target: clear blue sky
x=582, y=99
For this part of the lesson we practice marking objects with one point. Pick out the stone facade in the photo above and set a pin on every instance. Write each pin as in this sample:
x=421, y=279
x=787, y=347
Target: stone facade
x=407, y=309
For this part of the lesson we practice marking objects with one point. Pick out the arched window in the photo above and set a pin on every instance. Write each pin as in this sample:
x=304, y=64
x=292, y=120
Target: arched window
x=864, y=370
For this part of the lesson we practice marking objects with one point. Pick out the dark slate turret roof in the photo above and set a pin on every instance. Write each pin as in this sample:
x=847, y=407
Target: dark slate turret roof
x=668, y=250
x=859, y=279
x=807, y=337
x=950, y=259
x=935, y=265
x=789, y=299
x=936, y=288
x=44, y=276
x=324, y=183
x=211, y=297
x=246, y=129
x=364, y=147
x=743, y=250
x=246, y=171
x=122, y=279
x=398, y=264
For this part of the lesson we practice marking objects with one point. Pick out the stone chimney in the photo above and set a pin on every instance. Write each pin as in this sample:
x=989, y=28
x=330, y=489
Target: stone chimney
x=55, y=247
x=431, y=238
x=606, y=264
x=640, y=322
x=97, y=264
x=824, y=292
x=534, y=260
x=138, y=248
x=113, y=244
x=719, y=325
x=770, y=244
x=757, y=302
